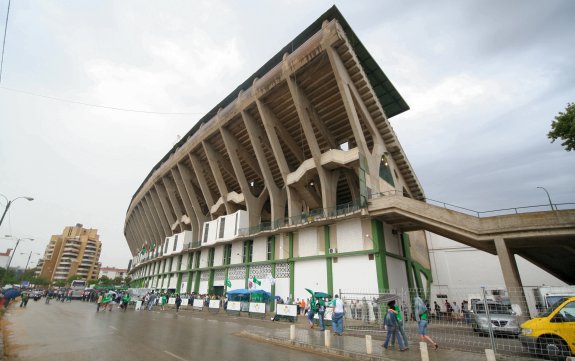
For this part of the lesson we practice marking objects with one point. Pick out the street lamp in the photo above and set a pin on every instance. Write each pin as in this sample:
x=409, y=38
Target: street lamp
x=12, y=256
x=8, y=203
x=548, y=197
x=27, y=262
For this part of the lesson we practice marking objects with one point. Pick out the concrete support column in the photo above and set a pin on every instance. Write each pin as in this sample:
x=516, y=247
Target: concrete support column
x=512, y=278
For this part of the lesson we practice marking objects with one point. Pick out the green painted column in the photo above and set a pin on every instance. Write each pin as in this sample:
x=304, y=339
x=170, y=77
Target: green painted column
x=291, y=266
x=211, y=282
x=411, y=281
x=406, y=246
x=380, y=256
x=197, y=282
x=328, y=259
x=273, y=258
x=247, y=278
x=179, y=284
x=190, y=279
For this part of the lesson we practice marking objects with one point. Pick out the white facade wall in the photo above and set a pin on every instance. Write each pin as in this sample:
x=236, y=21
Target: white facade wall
x=392, y=241
x=455, y=265
x=204, y=258
x=354, y=274
x=237, y=252
x=310, y=274
x=282, y=288
x=349, y=236
x=168, y=244
x=396, y=274
x=173, y=281
x=259, y=249
x=203, y=287
x=307, y=242
x=212, y=230
x=219, y=255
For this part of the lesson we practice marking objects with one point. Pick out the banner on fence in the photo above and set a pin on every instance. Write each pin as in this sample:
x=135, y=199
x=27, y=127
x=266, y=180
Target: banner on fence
x=214, y=304
x=172, y=301
x=257, y=307
x=234, y=306
x=286, y=310
x=198, y=303
x=138, y=305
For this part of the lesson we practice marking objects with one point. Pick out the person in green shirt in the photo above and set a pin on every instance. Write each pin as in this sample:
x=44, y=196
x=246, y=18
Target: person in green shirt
x=106, y=301
x=423, y=319
x=125, y=301
x=163, y=301
x=400, y=329
x=25, y=298
x=312, y=310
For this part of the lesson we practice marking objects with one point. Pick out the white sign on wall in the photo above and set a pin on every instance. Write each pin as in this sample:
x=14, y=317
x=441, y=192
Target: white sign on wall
x=214, y=304
x=286, y=310
x=257, y=307
x=234, y=306
x=183, y=286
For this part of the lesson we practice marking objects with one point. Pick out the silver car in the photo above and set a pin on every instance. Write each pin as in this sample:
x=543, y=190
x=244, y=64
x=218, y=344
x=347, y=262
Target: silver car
x=503, y=319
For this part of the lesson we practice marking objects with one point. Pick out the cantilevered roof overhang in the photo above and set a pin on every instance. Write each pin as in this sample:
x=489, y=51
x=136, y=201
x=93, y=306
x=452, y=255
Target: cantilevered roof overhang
x=389, y=98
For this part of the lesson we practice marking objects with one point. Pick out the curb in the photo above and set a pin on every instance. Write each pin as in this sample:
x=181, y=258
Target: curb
x=312, y=348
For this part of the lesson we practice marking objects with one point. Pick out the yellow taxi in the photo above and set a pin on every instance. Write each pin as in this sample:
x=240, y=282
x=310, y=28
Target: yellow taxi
x=552, y=333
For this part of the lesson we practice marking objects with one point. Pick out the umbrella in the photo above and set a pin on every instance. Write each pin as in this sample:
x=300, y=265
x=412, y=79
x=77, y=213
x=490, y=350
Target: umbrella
x=11, y=293
x=321, y=295
x=385, y=298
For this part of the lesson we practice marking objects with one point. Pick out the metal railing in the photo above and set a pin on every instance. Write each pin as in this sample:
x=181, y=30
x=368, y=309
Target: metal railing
x=479, y=214
x=313, y=215
x=471, y=319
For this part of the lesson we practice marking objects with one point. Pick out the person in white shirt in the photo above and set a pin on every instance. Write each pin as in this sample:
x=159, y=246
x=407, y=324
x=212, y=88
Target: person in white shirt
x=337, y=316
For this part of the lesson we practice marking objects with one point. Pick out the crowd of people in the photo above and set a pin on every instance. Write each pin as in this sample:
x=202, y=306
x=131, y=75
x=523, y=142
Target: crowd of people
x=360, y=310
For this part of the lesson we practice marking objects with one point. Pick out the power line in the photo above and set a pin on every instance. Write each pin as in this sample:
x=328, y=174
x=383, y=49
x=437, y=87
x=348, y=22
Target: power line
x=95, y=105
x=4, y=41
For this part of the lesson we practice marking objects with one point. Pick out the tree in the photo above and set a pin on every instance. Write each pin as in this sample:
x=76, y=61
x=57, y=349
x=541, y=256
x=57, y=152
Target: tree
x=105, y=281
x=118, y=280
x=40, y=281
x=563, y=127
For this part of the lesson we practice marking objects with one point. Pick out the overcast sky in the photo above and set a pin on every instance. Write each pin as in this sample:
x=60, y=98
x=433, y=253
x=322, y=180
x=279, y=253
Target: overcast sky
x=483, y=79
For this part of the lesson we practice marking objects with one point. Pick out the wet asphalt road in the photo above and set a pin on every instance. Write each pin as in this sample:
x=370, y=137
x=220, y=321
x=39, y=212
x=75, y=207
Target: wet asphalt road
x=74, y=332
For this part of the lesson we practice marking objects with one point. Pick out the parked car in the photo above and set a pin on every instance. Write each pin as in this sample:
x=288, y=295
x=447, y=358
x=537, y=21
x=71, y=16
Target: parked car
x=503, y=319
x=552, y=333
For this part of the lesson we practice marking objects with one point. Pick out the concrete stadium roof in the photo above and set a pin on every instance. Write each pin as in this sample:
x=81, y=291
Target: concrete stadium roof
x=389, y=98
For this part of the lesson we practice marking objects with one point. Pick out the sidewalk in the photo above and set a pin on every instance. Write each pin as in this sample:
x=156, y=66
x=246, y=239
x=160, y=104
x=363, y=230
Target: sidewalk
x=354, y=347
x=349, y=345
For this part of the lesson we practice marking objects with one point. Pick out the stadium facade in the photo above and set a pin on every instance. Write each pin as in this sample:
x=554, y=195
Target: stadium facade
x=271, y=188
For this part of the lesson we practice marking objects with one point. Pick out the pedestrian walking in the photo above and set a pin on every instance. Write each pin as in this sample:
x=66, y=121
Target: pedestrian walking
x=179, y=302
x=321, y=313
x=163, y=301
x=422, y=316
x=400, y=330
x=312, y=311
x=337, y=316
x=125, y=301
x=24, y=299
x=391, y=324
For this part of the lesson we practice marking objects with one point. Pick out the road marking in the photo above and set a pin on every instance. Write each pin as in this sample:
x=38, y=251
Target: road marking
x=176, y=356
x=113, y=328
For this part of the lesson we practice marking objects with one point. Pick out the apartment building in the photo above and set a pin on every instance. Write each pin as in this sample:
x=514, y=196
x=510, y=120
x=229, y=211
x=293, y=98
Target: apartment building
x=75, y=252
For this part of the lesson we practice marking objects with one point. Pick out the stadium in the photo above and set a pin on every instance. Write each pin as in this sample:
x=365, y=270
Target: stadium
x=277, y=186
